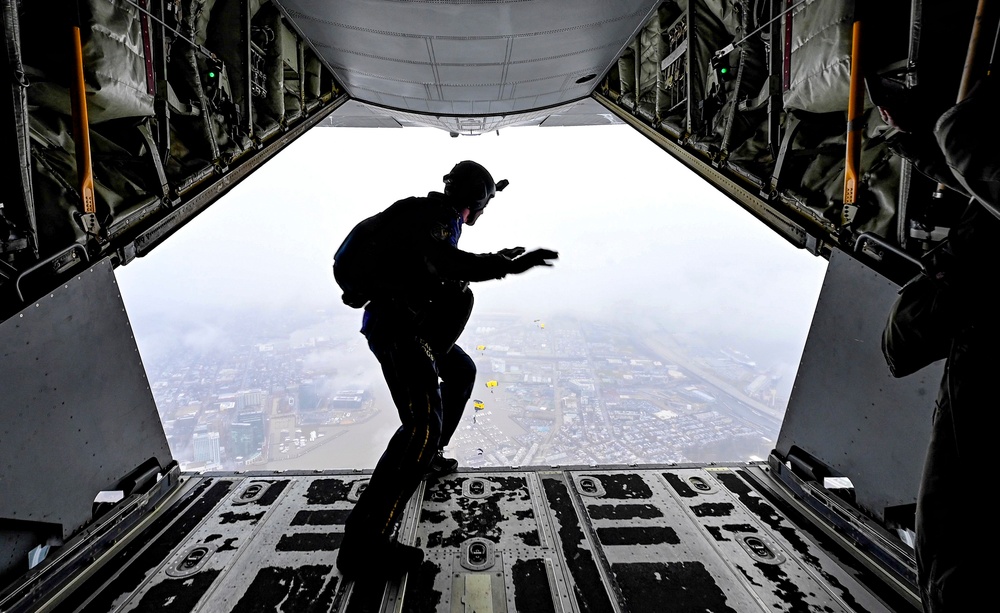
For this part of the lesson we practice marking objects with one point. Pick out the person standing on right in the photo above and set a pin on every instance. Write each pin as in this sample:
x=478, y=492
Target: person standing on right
x=959, y=150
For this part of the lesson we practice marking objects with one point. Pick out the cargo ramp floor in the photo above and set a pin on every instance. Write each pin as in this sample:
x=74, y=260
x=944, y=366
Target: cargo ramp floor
x=706, y=538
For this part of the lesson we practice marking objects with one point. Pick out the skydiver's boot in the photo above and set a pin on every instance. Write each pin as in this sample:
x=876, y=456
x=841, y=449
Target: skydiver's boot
x=441, y=466
x=376, y=561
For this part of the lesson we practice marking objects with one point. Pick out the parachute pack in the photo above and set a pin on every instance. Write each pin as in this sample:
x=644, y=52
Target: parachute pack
x=355, y=264
x=363, y=267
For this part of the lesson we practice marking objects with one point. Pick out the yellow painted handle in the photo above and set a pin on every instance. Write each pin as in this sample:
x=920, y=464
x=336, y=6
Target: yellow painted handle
x=855, y=104
x=81, y=128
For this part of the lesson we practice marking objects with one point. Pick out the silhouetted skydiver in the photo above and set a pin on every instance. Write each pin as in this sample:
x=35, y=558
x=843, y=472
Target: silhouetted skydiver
x=413, y=280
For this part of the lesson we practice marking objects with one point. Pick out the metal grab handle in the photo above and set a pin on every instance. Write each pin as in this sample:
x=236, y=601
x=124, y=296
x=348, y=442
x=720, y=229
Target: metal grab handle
x=81, y=128
x=855, y=107
x=48, y=260
x=875, y=238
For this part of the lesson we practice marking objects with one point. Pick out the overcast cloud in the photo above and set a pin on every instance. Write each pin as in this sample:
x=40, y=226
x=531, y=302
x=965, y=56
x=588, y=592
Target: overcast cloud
x=636, y=233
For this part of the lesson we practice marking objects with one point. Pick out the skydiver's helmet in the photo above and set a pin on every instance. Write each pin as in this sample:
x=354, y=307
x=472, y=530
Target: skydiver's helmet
x=914, y=107
x=471, y=185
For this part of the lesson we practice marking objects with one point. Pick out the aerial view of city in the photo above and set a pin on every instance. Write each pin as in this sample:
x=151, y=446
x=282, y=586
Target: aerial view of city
x=307, y=394
x=668, y=331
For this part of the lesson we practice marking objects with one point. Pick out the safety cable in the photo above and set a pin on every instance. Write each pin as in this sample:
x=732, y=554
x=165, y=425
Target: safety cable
x=731, y=46
x=200, y=48
x=993, y=52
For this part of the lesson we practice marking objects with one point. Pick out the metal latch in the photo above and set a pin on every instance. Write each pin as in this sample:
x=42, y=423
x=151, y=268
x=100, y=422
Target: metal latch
x=759, y=549
x=356, y=490
x=476, y=487
x=700, y=484
x=590, y=486
x=191, y=561
x=478, y=554
x=251, y=493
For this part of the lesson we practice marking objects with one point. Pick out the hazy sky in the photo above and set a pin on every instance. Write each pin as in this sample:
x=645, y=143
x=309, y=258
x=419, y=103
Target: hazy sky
x=635, y=230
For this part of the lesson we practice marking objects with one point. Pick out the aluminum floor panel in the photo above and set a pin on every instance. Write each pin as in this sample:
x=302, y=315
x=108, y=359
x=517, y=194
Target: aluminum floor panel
x=526, y=541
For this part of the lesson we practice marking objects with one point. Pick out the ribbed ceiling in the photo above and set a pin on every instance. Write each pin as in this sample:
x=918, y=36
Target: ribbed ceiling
x=487, y=59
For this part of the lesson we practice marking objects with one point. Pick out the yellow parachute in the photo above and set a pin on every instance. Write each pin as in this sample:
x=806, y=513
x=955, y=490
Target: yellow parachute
x=491, y=384
x=479, y=405
x=480, y=347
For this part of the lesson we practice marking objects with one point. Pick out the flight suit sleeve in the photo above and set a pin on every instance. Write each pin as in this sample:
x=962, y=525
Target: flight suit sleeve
x=450, y=262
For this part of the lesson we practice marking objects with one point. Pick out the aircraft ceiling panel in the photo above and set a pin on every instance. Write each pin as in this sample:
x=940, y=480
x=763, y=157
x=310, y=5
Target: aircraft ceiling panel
x=461, y=58
x=483, y=18
x=376, y=85
x=416, y=72
x=359, y=39
x=354, y=114
x=386, y=99
x=459, y=76
x=501, y=107
x=552, y=73
x=484, y=93
x=597, y=40
x=490, y=107
x=471, y=50
x=584, y=112
x=546, y=100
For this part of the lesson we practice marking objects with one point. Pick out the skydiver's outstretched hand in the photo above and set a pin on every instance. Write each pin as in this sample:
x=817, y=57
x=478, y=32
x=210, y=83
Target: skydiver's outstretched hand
x=529, y=260
x=511, y=253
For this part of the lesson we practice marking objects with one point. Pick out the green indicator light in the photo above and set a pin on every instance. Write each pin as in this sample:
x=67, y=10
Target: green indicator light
x=724, y=70
x=211, y=75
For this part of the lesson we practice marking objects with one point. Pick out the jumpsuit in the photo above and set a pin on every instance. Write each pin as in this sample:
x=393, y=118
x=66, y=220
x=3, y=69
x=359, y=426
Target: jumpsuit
x=411, y=328
x=952, y=519
x=948, y=525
